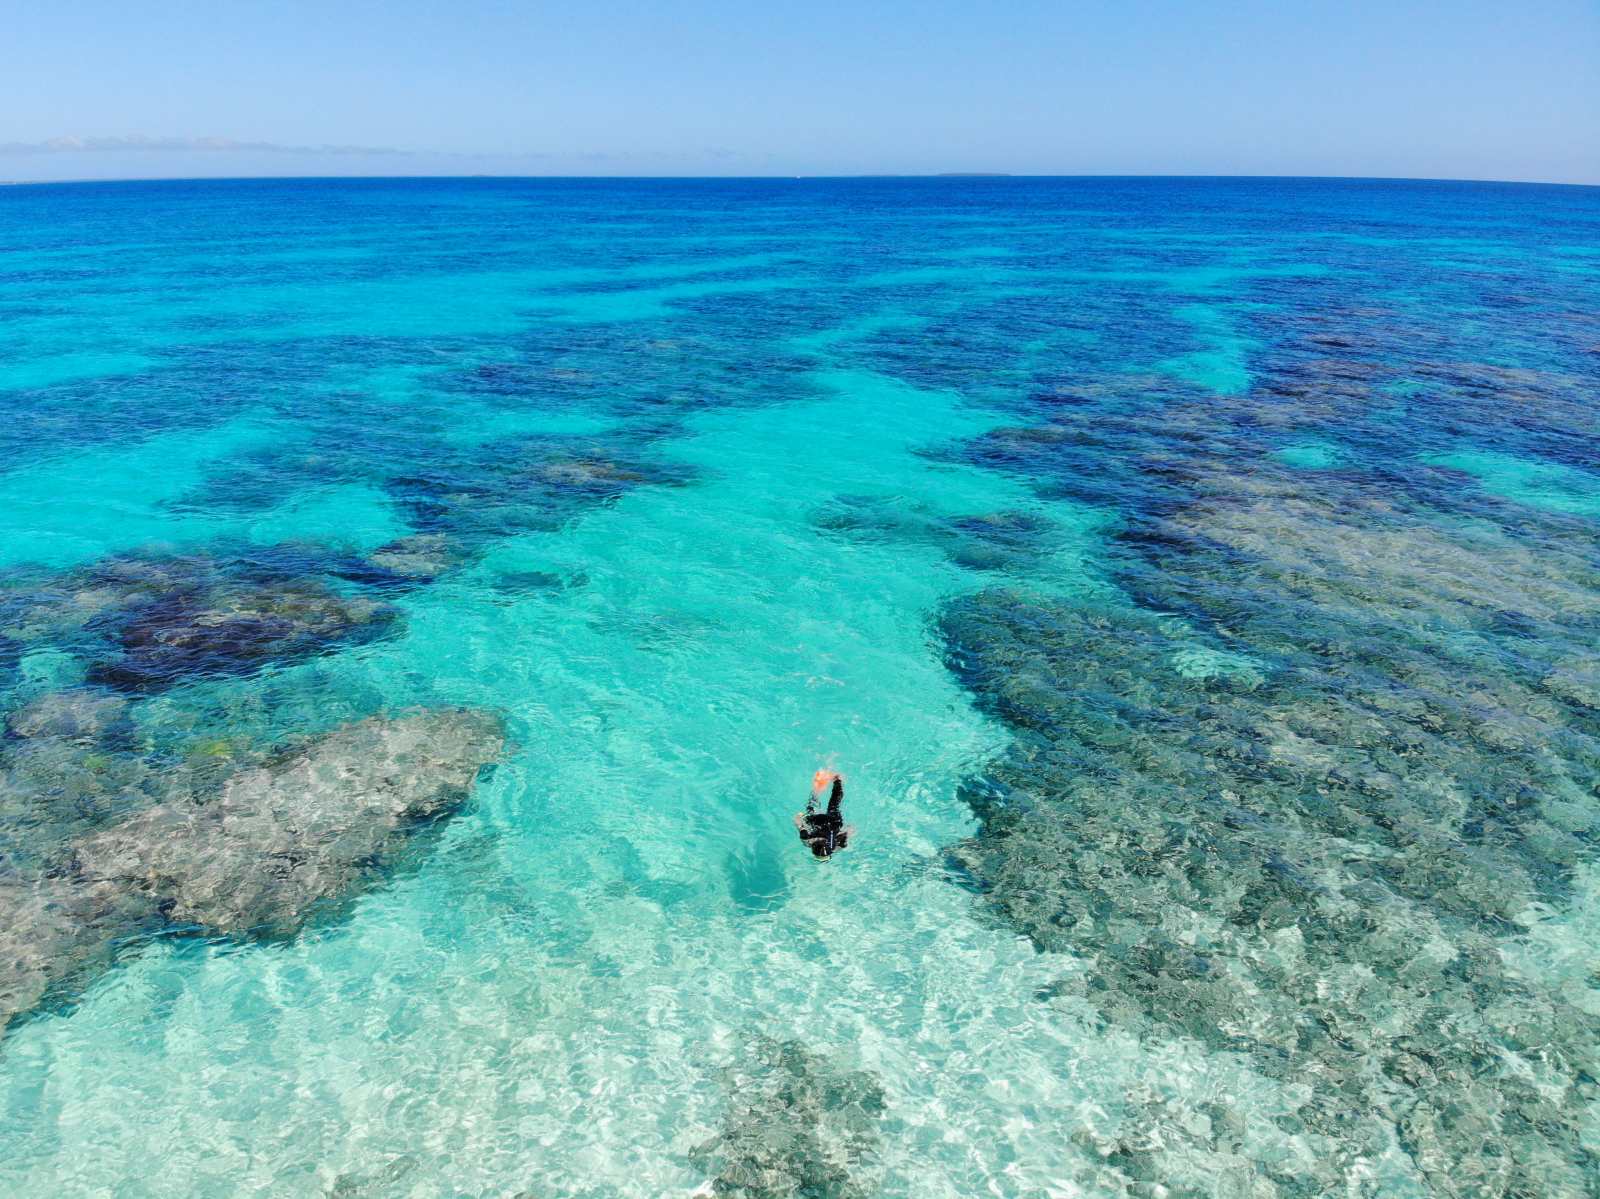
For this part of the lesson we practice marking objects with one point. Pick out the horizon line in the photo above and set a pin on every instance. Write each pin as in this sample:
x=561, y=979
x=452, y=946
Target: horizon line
x=951, y=176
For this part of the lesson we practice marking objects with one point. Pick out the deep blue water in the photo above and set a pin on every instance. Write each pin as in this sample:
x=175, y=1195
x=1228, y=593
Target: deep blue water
x=423, y=604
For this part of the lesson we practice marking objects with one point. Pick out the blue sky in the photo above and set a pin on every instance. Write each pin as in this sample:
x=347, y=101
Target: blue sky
x=716, y=87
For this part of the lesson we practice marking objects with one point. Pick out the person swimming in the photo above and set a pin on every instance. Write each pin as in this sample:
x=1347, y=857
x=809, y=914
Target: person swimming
x=824, y=832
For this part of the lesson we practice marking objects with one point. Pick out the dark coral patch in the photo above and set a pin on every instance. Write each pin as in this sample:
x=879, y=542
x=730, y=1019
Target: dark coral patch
x=223, y=627
x=527, y=485
x=1006, y=540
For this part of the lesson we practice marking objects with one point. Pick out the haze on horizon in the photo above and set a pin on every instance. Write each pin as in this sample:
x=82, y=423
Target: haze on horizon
x=1414, y=88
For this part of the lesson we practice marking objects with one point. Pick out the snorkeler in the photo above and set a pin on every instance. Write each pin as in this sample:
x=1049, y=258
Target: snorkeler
x=824, y=832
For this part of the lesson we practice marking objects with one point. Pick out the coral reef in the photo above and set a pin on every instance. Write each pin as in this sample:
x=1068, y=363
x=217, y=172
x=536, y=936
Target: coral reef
x=1296, y=798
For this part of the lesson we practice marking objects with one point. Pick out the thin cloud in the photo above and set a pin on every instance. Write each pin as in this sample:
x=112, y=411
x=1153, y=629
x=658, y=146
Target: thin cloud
x=181, y=145
x=140, y=143
x=139, y=156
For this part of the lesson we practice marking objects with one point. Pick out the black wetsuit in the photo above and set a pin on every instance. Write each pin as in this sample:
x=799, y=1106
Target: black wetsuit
x=824, y=832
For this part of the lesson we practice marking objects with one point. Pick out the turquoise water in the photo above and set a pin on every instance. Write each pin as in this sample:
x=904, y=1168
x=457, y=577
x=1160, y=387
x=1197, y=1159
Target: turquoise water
x=1196, y=583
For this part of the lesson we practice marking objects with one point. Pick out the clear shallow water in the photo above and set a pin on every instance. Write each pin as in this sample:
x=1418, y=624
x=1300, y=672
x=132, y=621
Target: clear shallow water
x=1196, y=582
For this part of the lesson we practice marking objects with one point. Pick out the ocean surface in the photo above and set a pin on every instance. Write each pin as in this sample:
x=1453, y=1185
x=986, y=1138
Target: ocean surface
x=423, y=605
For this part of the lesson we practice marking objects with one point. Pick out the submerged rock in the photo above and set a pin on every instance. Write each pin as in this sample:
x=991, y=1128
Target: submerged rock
x=258, y=857
x=65, y=767
x=82, y=714
x=797, y=1127
x=381, y=1181
x=1576, y=679
x=53, y=789
x=522, y=582
x=421, y=557
x=591, y=472
x=53, y=937
x=272, y=848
